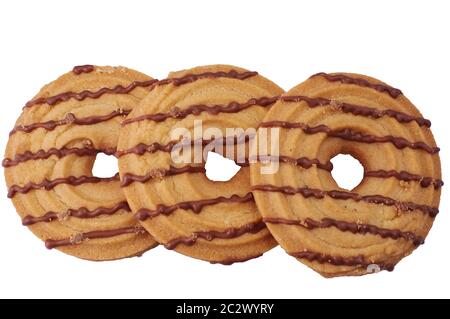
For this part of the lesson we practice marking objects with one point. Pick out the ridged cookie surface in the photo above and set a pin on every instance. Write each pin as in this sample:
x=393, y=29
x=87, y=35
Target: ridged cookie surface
x=176, y=202
x=50, y=155
x=372, y=227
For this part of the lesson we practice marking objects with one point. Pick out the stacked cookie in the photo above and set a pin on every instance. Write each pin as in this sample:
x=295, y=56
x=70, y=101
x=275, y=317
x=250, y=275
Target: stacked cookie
x=159, y=198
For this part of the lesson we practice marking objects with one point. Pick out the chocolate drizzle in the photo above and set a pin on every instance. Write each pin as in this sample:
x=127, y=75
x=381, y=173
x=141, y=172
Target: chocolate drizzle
x=251, y=228
x=328, y=166
x=343, y=195
x=82, y=212
x=355, y=261
x=358, y=109
x=383, y=88
x=189, y=78
x=196, y=109
x=87, y=68
x=129, y=178
x=119, y=89
x=350, y=135
x=81, y=237
x=196, y=206
x=69, y=119
x=232, y=260
x=304, y=162
x=355, y=228
x=407, y=177
x=80, y=96
x=143, y=148
x=50, y=184
x=59, y=153
x=234, y=107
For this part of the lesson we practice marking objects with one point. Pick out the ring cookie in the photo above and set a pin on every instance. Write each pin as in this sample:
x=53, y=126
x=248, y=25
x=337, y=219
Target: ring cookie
x=176, y=202
x=383, y=219
x=50, y=155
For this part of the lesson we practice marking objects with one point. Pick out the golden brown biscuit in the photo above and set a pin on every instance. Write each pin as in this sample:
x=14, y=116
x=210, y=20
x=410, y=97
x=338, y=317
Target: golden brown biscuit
x=50, y=155
x=372, y=227
x=176, y=202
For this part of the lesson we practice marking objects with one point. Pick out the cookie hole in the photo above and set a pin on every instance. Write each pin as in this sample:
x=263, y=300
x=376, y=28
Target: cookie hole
x=219, y=168
x=347, y=171
x=105, y=165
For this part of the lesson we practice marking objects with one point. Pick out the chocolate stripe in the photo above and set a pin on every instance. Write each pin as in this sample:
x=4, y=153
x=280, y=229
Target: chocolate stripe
x=82, y=212
x=230, y=261
x=355, y=228
x=69, y=119
x=129, y=178
x=80, y=96
x=304, y=162
x=59, y=153
x=143, y=148
x=350, y=135
x=229, y=233
x=119, y=89
x=50, y=184
x=87, y=68
x=383, y=88
x=81, y=237
x=355, y=261
x=196, y=109
x=343, y=195
x=407, y=177
x=328, y=166
x=235, y=107
x=196, y=206
x=189, y=78
x=358, y=109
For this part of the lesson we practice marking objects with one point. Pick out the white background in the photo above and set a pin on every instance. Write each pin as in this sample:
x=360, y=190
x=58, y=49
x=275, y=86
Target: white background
x=405, y=43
